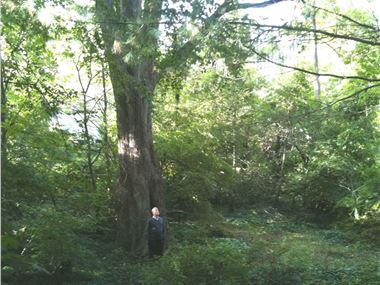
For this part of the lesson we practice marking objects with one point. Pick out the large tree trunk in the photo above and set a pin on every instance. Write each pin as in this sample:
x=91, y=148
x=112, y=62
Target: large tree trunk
x=140, y=185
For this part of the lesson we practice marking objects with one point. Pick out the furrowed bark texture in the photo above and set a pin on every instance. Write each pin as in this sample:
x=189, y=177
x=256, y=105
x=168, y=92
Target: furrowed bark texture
x=140, y=185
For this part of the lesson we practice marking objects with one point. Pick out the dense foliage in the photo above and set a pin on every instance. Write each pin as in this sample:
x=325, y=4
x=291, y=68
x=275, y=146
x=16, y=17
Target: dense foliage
x=265, y=183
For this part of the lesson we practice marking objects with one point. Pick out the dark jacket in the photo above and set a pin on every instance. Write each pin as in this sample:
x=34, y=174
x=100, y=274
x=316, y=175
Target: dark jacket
x=156, y=229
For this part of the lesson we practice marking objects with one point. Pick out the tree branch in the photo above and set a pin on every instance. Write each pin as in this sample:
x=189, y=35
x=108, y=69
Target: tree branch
x=328, y=105
x=258, y=5
x=185, y=51
x=314, y=73
x=308, y=30
x=376, y=29
x=353, y=94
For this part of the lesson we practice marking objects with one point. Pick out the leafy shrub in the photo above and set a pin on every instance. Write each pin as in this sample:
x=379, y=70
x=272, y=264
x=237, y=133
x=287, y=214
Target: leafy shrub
x=54, y=242
x=188, y=233
x=220, y=262
x=50, y=241
x=11, y=246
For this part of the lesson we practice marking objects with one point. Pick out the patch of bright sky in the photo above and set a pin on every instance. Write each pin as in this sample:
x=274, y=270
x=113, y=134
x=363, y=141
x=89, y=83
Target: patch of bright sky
x=50, y=13
x=288, y=11
x=275, y=14
x=66, y=71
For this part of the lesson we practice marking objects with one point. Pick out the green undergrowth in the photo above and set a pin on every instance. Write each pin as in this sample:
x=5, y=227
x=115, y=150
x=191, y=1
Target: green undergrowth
x=259, y=246
x=279, y=250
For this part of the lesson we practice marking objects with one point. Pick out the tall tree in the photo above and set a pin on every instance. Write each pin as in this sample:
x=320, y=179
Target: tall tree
x=130, y=33
x=140, y=183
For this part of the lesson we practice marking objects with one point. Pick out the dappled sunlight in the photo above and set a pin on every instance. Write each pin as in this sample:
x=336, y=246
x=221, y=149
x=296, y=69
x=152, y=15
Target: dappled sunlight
x=117, y=47
x=127, y=146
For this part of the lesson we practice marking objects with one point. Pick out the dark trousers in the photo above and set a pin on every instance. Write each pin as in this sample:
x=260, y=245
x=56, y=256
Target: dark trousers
x=156, y=247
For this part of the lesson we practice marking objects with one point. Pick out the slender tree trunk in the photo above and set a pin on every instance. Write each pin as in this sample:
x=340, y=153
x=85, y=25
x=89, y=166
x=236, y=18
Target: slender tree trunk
x=234, y=119
x=281, y=176
x=88, y=143
x=105, y=130
x=86, y=119
x=4, y=152
x=317, y=84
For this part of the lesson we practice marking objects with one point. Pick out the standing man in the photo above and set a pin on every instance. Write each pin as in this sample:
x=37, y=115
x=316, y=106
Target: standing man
x=156, y=234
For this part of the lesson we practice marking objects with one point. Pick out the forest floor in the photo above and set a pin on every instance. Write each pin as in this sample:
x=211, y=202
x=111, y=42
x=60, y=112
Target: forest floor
x=259, y=246
x=278, y=250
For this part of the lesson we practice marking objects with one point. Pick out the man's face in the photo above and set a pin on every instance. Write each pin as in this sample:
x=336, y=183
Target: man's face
x=155, y=212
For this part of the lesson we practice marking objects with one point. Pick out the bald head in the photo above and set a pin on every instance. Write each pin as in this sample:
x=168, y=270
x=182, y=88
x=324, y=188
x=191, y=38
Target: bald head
x=155, y=212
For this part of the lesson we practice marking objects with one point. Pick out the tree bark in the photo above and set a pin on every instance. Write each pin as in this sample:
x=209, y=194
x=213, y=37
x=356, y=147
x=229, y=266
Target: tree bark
x=140, y=185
